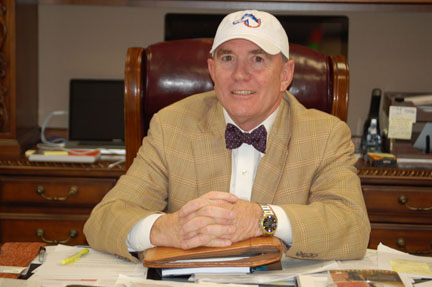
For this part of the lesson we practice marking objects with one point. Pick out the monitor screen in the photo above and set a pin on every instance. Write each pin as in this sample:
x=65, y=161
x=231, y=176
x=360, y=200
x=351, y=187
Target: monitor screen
x=96, y=110
x=327, y=34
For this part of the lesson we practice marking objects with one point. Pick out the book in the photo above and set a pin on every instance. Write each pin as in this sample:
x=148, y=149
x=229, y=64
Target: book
x=17, y=254
x=82, y=156
x=252, y=252
x=364, y=278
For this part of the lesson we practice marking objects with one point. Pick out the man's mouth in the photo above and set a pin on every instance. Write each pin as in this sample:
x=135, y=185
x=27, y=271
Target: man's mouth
x=243, y=92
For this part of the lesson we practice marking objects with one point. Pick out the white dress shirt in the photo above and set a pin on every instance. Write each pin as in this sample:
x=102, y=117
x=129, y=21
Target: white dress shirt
x=245, y=162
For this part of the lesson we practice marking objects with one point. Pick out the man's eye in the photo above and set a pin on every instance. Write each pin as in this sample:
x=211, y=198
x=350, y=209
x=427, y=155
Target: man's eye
x=258, y=59
x=227, y=58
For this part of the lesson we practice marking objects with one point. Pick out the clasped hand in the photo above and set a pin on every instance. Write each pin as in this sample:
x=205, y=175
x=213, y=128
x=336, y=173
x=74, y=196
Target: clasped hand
x=214, y=219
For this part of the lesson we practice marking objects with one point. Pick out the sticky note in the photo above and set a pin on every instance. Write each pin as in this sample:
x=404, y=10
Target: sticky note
x=401, y=120
x=412, y=267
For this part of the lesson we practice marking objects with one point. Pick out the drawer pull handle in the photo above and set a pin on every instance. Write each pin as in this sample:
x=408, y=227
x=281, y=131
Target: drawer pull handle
x=72, y=234
x=404, y=201
x=401, y=243
x=41, y=191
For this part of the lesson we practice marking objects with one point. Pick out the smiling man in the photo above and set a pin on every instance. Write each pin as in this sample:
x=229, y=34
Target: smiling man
x=244, y=160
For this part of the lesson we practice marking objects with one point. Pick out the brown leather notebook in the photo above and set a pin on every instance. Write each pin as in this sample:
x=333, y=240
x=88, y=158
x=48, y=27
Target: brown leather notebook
x=18, y=254
x=253, y=252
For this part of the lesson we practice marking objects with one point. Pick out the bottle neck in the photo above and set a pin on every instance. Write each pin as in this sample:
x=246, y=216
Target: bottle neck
x=374, y=106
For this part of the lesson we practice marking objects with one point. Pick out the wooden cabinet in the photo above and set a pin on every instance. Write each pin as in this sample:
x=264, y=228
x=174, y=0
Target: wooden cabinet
x=50, y=202
x=399, y=204
x=18, y=76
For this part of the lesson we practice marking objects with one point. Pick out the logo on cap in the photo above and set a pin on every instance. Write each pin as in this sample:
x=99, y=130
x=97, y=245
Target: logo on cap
x=249, y=20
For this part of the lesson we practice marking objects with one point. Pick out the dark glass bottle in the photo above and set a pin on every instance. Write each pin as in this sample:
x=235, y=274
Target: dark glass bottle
x=371, y=138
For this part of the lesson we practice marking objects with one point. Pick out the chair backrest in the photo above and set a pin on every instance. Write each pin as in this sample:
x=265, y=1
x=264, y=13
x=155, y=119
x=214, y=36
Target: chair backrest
x=166, y=72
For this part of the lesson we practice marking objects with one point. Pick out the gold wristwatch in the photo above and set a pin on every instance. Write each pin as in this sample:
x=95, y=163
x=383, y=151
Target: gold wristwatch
x=268, y=221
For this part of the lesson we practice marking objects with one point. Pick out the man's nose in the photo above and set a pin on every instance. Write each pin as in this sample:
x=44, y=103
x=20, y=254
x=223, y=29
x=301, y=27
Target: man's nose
x=241, y=71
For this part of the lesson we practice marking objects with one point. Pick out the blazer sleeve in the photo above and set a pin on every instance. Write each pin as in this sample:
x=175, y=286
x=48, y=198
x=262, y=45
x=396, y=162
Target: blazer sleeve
x=334, y=222
x=137, y=194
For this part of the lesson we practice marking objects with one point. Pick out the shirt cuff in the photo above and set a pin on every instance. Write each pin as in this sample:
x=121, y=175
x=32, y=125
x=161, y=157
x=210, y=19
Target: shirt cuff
x=284, y=229
x=138, y=238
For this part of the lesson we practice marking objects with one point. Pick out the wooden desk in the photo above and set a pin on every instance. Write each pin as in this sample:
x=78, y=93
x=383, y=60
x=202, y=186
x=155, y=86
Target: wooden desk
x=399, y=204
x=50, y=202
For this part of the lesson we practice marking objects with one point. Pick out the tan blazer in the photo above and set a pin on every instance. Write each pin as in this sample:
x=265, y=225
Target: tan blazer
x=308, y=169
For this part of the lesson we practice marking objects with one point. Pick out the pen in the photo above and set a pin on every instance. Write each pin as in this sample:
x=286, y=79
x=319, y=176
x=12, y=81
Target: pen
x=42, y=254
x=75, y=257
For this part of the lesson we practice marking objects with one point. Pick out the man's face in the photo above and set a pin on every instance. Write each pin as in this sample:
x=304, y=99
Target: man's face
x=249, y=82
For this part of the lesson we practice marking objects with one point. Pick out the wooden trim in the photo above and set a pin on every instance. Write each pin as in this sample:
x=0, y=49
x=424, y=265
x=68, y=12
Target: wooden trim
x=275, y=5
x=133, y=97
x=163, y=3
x=395, y=172
x=23, y=166
x=340, y=86
x=43, y=216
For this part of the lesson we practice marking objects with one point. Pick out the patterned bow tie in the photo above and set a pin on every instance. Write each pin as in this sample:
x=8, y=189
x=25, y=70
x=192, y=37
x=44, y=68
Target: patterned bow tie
x=234, y=137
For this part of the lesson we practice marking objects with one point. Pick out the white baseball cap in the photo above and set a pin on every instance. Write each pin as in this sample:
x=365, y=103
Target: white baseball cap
x=259, y=27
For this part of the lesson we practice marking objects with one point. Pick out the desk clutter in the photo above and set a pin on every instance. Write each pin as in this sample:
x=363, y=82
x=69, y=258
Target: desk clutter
x=84, y=156
x=76, y=155
x=399, y=126
x=381, y=267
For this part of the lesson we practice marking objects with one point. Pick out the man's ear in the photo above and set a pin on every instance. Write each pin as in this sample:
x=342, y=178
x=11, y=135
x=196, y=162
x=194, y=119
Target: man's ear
x=287, y=74
x=211, y=67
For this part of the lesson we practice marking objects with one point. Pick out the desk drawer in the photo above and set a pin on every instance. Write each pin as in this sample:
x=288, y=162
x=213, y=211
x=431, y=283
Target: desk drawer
x=407, y=204
x=415, y=239
x=53, y=191
x=52, y=229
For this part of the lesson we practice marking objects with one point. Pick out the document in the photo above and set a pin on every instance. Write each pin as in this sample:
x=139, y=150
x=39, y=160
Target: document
x=404, y=263
x=7, y=282
x=94, y=269
x=130, y=281
x=287, y=276
x=401, y=120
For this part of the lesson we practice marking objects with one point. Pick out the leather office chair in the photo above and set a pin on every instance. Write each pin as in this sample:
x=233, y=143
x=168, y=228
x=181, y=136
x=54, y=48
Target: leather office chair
x=166, y=72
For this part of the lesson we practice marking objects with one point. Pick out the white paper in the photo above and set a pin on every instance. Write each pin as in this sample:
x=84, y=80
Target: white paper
x=12, y=269
x=6, y=282
x=421, y=140
x=369, y=261
x=401, y=120
x=128, y=281
x=291, y=268
x=387, y=254
x=95, y=268
x=313, y=280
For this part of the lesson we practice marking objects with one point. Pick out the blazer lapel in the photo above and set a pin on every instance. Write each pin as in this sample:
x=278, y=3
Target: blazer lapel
x=212, y=158
x=273, y=162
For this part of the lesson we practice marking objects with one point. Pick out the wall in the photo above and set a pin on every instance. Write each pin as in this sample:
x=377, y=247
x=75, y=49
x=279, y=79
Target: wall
x=388, y=50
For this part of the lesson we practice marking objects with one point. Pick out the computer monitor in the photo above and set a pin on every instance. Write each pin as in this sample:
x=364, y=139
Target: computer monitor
x=96, y=116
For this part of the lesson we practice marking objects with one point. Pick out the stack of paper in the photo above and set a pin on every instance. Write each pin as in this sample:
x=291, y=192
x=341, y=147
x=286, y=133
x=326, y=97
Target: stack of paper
x=286, y=277
x=411, y=269
x=84, y=156
x=94, y=269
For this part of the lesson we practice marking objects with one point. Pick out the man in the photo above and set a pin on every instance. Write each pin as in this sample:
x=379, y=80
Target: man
x=244, y=160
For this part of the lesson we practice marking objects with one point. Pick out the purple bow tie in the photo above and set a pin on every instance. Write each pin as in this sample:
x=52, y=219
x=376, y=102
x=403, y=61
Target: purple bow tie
x=234, y=137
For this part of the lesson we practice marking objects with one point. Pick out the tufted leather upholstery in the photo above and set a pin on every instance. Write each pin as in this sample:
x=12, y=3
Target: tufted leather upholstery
x=166, y=72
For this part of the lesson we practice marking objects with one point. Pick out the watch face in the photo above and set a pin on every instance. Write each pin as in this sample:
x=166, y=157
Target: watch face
x=270, y=224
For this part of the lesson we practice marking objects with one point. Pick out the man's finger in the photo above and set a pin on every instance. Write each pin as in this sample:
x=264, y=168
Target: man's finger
x=213, y=198
x=219, y=214
x=208, y=226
